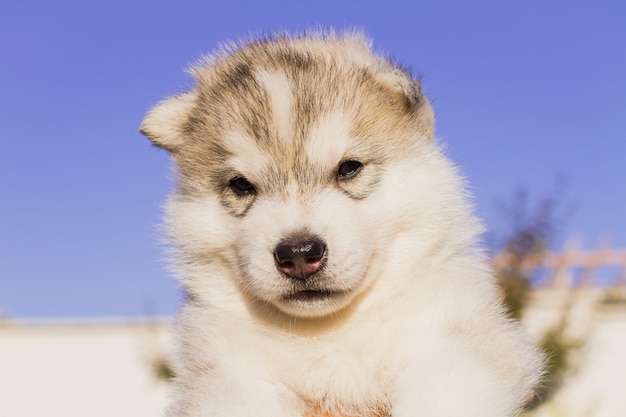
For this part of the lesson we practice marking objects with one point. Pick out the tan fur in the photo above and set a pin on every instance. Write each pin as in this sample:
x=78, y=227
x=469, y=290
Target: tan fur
x=402, y=319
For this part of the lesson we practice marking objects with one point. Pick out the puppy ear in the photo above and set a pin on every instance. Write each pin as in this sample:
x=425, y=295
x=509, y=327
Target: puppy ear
x=402, y=84
x=163, y=124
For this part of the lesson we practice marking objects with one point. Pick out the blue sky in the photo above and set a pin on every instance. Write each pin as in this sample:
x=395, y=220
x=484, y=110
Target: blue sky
x=525, y=92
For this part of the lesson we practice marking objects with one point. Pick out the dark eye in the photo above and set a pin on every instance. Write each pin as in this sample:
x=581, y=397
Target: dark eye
x=241, y=186
x=348, y=169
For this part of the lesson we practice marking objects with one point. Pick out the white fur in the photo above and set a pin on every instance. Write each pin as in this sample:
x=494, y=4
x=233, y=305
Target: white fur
x=329, y=140
x=247, y=158
x=394, y=347
x=277, y=86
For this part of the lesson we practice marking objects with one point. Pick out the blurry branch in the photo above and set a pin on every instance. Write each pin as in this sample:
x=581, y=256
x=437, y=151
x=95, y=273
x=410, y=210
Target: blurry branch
x=156, y=356
x=532, y=233
x=533, y=228
x=559, y=347
x=162, y=369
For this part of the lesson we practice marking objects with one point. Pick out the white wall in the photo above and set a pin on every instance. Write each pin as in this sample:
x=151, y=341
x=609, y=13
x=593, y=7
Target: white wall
x=104, y=369
x=81, y=370
x=596, y=386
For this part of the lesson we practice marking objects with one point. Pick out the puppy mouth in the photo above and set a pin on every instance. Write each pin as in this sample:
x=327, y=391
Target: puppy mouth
x=312, y=302
x=312, y=295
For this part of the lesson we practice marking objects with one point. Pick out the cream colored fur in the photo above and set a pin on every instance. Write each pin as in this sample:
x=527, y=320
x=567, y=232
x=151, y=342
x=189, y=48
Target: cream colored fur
x=409, y=323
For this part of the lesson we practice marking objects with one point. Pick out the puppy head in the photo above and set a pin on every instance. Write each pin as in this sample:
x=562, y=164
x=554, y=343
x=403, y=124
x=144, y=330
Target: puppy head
x=282, y=149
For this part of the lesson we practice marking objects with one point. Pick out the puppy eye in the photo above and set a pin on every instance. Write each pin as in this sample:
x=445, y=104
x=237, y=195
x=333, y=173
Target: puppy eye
x=348, y=169
x=241, y=186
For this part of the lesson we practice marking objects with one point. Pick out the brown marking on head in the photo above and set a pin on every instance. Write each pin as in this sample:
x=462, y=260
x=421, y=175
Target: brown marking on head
x=324, y=74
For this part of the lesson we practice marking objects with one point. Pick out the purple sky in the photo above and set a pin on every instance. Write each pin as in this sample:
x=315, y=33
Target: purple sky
x=524, y=92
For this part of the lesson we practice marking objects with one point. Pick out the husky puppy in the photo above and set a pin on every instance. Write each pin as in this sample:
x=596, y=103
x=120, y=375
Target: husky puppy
x=325, y=245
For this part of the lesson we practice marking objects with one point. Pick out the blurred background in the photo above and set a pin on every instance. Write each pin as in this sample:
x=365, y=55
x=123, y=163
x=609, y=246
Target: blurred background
x=530, y=99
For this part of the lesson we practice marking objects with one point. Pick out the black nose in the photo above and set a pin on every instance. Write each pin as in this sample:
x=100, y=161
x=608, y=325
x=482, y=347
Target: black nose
x=300, y=257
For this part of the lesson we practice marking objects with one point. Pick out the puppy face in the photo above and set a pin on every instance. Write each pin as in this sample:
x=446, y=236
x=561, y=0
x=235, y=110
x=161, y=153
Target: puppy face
x=282, y=143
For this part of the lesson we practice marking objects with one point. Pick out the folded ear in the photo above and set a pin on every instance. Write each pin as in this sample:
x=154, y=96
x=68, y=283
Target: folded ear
x=409, y=90
x=400, y=82
x=164, y=123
